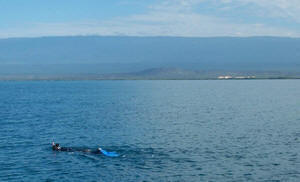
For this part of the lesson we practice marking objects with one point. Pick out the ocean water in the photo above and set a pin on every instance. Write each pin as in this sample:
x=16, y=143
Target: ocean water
x=246, y=130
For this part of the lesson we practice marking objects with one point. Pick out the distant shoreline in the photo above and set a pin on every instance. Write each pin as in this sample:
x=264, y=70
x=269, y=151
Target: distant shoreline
x=161, y=74
x=79, y=79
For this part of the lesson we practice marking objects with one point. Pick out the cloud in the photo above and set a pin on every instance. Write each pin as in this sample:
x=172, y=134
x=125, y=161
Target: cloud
x=176, y=18
x=272, y=8
x=286, y=8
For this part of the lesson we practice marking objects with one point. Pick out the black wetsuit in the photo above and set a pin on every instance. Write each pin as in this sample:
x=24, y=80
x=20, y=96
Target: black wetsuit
x=70, y=149
x=66, y=149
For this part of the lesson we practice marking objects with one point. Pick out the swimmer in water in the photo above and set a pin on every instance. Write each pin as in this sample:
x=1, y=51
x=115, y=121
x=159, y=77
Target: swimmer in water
x=57, y=147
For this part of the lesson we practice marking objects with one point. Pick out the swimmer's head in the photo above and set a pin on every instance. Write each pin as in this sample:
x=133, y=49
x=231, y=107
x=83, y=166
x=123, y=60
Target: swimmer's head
x=55, y=146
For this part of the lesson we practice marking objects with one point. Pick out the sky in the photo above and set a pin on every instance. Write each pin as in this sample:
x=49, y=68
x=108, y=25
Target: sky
x=187, y=18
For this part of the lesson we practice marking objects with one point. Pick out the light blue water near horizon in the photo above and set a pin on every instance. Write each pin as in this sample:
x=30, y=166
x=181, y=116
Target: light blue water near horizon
x=234, y=130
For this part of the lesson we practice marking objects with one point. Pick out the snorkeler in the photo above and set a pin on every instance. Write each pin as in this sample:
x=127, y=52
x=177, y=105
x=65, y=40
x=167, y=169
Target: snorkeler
x=57, y=147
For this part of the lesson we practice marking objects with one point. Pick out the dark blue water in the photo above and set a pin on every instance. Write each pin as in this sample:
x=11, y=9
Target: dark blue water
x=164, y=130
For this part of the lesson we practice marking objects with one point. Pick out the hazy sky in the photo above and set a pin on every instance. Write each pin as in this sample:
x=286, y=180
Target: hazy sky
x=199, y=18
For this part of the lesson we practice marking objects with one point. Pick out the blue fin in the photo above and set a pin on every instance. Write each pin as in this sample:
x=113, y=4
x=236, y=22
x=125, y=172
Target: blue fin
x=109, y=154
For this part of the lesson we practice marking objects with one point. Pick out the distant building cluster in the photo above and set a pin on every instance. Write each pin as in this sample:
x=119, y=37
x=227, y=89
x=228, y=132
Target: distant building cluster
x=235, y=77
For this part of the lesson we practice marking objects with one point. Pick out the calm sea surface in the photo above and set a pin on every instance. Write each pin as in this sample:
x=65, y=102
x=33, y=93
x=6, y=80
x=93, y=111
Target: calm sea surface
x=163, y=130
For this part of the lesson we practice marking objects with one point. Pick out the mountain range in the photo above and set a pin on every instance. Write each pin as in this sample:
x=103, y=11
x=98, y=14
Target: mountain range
x=75, y=56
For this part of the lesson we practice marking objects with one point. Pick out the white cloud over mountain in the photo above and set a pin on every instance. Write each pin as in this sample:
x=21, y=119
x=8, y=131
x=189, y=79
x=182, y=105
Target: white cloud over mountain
x=183, y=18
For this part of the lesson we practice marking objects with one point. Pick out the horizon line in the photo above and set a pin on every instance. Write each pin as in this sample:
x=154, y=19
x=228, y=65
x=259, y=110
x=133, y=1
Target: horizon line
x=146, y=36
